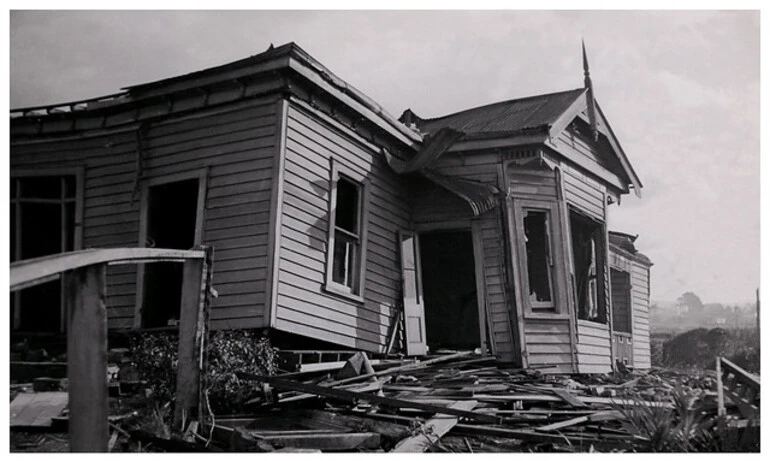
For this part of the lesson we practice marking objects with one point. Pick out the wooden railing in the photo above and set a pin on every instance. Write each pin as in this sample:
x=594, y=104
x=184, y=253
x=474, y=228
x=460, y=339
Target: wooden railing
x=741, y=386
x=83, y=275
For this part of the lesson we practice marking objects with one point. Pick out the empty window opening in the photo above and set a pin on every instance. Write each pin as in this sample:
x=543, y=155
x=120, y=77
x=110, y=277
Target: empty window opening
x=171, y=220
x=621, y=300
x=347, y=235
x=539, y=260
x=449, y=290
x=42, y=223
x=589, y=258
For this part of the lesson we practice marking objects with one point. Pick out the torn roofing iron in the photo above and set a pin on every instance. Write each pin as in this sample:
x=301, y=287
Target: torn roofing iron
x=479, y=196
x=430, y=151
x=512, y=116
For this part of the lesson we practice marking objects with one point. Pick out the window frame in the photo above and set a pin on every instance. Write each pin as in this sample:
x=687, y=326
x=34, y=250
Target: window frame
x=556, y=308
x=355, y=293
x=77, y=238
x=603, y=275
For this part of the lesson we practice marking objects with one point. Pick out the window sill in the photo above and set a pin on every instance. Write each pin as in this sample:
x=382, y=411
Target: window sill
x=592, y=324
x=336, y=290
x=546, y=316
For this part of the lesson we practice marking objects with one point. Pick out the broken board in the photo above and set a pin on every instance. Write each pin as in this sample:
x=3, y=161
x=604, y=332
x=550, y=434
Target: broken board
x=37, y=409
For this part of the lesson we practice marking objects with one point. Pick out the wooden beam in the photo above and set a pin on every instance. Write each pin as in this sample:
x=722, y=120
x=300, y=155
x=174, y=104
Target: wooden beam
x=432, y=430
x=87, y=358
x=353, y=396
x=34, y=271
x=191, y=330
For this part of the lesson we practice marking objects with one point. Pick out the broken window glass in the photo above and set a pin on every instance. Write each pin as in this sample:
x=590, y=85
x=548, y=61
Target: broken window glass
x=537, y=236
x=347, y=238
x=588, y=256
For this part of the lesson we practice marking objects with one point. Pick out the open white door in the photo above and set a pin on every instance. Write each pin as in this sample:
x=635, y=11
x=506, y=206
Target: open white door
x=414, y=307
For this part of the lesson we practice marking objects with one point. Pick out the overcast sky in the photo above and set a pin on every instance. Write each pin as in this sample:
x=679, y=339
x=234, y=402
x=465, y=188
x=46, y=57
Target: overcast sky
x=681, y=90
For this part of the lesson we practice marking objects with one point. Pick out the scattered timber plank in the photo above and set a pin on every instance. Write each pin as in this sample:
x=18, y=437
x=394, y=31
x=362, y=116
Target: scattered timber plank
x=355, y=387
x=37, y=409
x=432, y=430
x=519, y=434
x=584, y=399
x=356, y=365
x=353, y=396
x=407, y=367
x=329, y=441
x=319, y=418
x=569, y=398
x=171, y=445
x=595, y=417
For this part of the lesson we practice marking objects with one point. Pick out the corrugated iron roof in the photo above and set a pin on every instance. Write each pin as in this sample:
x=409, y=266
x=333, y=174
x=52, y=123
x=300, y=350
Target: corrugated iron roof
x=511, y=116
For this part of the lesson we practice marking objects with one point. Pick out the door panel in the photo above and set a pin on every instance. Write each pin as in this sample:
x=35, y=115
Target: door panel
x=414, y=307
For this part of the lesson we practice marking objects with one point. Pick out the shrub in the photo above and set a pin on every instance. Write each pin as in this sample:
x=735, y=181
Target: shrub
x=155, y=357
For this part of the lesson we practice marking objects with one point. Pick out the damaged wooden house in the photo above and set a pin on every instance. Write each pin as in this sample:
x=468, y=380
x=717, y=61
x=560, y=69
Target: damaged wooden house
x=332, y=220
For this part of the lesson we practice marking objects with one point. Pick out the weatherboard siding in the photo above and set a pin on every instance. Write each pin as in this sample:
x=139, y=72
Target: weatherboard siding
x=548, y=345
x=236, y=143
x=593, y=347
x=302, y=304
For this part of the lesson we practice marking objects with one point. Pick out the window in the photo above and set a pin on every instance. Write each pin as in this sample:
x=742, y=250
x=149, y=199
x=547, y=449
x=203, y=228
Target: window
x=589, y=256
x=43, y=216
x=537, y=237
x=621, y=300
x=347, y=224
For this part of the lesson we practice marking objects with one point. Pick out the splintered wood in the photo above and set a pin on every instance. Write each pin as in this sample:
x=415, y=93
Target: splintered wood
x=459, y=402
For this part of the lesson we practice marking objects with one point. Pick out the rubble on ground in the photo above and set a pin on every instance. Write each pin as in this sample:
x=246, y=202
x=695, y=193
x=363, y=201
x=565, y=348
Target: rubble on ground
x=459, y=402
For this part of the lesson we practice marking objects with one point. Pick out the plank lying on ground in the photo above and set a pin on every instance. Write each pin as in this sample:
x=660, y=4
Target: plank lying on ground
x=520, y=434
x=432, y=430
x=584, y=399
x=355, y=387
x=172, y=445
x=569, y=398
x=388, y=371
x=353, y=396
x=320, y=418
x=37, y=409
x=595, y=417
x=334, y=441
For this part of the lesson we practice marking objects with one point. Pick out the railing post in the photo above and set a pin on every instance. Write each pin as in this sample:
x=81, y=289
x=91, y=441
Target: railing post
x=192, y=330
x=85, y=291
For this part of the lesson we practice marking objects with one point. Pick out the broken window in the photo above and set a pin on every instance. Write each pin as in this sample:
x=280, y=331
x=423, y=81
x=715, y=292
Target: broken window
x=621, y=300
x=537, y=236
x=345, y=262
x=588, y=252
x=42, y=223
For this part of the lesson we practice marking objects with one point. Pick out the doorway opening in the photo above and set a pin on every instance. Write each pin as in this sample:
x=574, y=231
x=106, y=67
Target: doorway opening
x=171, y=221
x=449, y=290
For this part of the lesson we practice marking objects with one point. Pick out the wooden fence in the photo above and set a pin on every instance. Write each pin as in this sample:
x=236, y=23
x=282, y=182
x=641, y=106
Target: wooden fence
x=83, y=275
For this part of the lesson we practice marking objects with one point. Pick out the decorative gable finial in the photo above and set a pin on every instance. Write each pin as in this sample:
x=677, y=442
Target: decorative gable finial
x=589, y=94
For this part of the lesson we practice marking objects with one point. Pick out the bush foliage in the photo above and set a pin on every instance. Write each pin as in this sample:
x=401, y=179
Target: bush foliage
x=699, y=348
x=155, y=357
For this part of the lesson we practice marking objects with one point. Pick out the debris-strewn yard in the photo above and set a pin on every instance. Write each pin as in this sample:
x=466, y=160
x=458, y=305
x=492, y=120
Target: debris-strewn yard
x=453, y=402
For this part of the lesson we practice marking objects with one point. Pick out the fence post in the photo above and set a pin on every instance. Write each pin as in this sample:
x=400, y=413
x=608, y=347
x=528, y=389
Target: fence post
x=85, y=291
x=720, y=389
x=191, y=335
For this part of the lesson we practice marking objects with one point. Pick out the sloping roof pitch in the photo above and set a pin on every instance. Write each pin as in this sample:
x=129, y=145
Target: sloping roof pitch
x=516, y=115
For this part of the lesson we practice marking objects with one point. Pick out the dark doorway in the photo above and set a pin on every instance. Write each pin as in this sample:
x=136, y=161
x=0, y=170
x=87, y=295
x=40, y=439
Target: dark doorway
x=449, y=289
x=171, y=218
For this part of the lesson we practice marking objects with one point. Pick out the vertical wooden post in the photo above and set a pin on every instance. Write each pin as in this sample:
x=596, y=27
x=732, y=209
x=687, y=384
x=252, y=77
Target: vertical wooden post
x=87, y=358
x=720, y=389
x=190, y=339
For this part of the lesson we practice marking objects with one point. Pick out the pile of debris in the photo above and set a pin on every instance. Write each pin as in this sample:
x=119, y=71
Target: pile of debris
x=458, y=402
